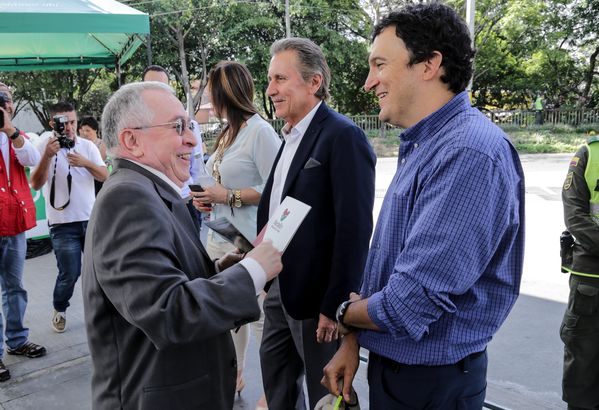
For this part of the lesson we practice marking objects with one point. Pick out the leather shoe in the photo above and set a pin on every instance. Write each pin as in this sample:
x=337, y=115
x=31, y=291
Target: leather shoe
x=4, y=373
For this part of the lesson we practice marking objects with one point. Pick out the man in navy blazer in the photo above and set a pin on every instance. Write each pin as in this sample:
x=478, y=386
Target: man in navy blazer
x=327, y=163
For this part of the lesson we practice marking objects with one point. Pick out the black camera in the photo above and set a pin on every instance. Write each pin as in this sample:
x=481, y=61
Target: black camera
x=59, y=127
x=3, y=100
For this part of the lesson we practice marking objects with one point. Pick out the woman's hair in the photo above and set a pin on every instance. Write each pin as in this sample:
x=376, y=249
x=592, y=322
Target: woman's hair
x=231, y=90
x=90, y=122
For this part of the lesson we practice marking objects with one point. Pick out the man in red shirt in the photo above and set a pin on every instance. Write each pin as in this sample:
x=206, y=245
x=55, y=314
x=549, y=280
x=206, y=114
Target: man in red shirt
x=17, y=215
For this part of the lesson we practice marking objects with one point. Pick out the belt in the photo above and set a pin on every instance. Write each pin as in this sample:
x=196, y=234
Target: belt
x=464, y=364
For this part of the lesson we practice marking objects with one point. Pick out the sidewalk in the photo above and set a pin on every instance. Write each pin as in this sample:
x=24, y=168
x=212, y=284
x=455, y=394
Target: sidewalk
x=61, y=379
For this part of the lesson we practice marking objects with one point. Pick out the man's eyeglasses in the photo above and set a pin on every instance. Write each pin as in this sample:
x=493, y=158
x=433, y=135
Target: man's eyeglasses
x=180, y=125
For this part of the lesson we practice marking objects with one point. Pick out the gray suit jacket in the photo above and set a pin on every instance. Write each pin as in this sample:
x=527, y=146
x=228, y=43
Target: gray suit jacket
x=157, y=316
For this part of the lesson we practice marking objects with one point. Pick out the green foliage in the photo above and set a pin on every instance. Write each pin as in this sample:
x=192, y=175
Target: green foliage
x=523, y=47
x=529, y=46
x=537, y=140
x=342, y=29
x=41, y=89
x=546, y=141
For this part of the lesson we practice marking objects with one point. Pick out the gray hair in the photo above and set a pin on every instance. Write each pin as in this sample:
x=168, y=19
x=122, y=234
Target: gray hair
x=311, y=61
x=125, y=109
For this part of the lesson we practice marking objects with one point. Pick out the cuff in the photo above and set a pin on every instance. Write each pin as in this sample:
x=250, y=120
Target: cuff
x=256, y=272
x=374, y=303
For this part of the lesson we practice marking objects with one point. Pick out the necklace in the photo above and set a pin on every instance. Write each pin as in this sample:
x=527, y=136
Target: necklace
x=220, y=153
x=218, y=159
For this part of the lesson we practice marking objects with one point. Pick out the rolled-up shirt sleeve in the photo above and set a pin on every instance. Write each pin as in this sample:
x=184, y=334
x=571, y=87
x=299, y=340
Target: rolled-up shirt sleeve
x=456, y=224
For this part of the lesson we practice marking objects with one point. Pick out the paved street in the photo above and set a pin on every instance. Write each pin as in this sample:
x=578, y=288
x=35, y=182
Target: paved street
x=525, y=356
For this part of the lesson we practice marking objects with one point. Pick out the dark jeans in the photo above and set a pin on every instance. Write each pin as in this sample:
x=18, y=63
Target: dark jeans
x=395, y=386
x=68, y=241
x=580, y=333
x=14, y=295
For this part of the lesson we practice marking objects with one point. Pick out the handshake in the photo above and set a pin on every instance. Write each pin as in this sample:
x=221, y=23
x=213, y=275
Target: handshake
x=265, y=254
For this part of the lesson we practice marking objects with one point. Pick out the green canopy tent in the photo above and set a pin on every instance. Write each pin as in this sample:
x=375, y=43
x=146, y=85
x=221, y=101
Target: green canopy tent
x=65, y=35
x=68, y=34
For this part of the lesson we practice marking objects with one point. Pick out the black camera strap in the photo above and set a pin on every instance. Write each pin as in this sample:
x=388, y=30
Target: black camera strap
x=52, y=187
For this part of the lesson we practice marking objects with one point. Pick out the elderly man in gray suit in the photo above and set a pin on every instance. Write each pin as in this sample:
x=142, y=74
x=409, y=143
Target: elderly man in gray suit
x=158, y=311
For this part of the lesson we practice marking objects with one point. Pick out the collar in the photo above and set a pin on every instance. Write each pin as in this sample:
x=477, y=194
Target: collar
x=159, y=174
x=431, y=124
x=301, y=127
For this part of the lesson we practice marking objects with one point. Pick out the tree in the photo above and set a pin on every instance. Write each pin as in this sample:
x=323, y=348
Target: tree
x=182, y=39
x=41, y=89
x=342, y=29
x=528, y=46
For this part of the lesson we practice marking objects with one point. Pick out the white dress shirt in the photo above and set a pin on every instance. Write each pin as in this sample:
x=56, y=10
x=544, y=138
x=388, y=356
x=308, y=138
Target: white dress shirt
x=27, y=155
x=292, y=137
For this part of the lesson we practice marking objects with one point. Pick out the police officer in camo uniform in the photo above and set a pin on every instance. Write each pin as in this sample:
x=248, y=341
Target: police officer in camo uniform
x=580, y=327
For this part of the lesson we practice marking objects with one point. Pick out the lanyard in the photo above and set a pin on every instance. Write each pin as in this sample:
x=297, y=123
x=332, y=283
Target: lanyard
x=52, y=187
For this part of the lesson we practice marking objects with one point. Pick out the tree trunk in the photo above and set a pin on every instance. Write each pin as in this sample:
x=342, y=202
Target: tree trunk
x=184, y=74
x=588, y=77
x=197, y=100
x=267, y=105
x=41, y=114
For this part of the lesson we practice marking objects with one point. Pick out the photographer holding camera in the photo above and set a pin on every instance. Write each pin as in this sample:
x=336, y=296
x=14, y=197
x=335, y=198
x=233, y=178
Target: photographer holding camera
x=67, y=170
x=18, y=215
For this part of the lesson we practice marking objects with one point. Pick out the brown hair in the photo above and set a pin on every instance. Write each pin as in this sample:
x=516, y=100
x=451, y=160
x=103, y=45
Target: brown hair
x=232, y=90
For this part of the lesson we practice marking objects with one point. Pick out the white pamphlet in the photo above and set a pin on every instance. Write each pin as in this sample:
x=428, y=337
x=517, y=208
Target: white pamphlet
x=283, y=224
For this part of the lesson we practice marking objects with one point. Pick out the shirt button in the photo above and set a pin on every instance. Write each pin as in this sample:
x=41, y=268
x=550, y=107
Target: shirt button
x=2, y=190
x=15, y=191
x=416, y=145
x=403, y=160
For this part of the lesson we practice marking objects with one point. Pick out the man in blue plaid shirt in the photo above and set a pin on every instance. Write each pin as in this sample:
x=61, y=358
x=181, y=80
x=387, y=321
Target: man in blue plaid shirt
x=445, y=262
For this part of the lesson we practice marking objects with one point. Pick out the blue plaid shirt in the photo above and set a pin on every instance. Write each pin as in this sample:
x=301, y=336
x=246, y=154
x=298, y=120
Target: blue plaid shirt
x=446, y=258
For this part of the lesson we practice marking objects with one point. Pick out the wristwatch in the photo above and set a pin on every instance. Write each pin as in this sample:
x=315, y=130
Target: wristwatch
x=15, y=134
x=342, y=327
x=237, y=202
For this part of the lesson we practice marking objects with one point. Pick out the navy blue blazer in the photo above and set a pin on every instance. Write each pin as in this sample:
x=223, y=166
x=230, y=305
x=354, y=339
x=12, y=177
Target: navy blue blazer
x=333, y=171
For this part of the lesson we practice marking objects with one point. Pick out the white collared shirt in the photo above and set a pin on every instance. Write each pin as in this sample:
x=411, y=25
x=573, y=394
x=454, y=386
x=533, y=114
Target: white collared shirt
x=159, y=174
x=27, y=155
x=83, y=195
x=292, y=137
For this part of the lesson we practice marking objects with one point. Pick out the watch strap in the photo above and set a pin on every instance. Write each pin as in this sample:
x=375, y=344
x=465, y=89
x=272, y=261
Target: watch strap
x=340, y=314
x=238, y=202
x=15, y=134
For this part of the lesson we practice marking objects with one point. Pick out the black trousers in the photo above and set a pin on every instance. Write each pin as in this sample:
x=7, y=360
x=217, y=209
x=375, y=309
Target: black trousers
x=580, y=333
x=395, y=386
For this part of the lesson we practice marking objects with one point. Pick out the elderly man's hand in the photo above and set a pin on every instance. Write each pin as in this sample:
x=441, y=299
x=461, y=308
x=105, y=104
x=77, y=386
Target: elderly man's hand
x=268, y=257
x=229, y=259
